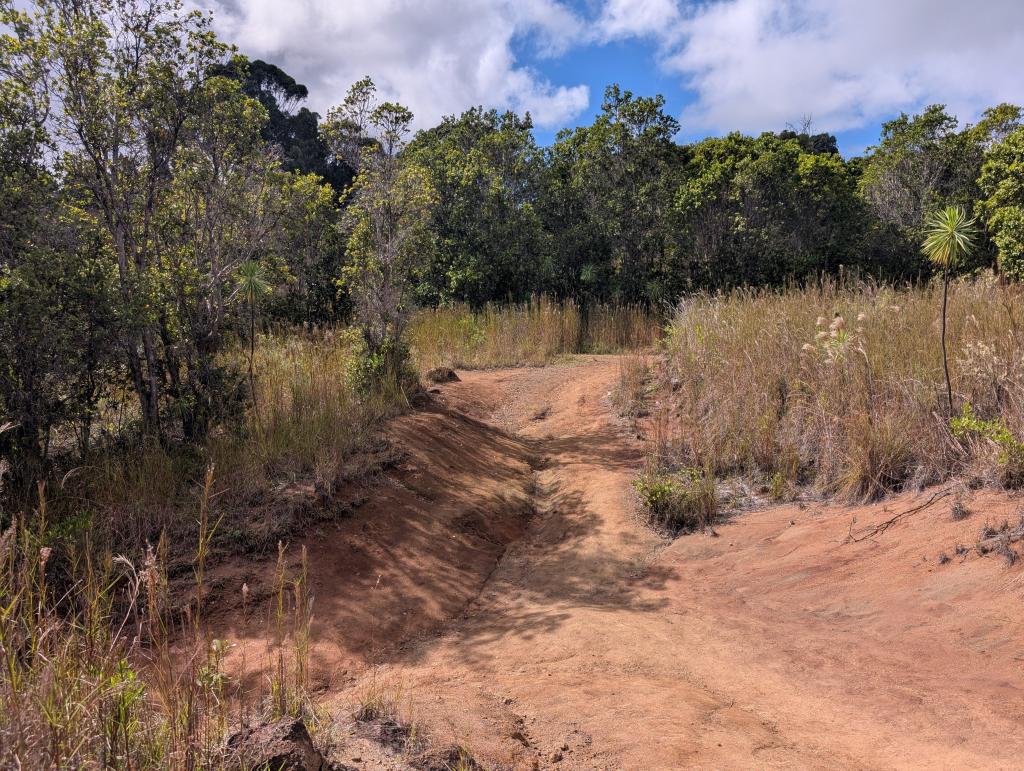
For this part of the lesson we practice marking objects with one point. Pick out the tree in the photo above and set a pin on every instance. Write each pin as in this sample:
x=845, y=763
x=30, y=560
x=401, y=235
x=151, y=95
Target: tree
x=924, y=162
x=388, y=216
x=124, y=80
x=1002, y=185
x=489, y=238
x=949, y=239
x=157, y=142
x=294, y=132
x=606, y=199
x=58, y=318
x=761, y=211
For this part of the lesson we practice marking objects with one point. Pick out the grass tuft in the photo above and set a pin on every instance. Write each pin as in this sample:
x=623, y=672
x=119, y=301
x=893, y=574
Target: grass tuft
x=681, y=500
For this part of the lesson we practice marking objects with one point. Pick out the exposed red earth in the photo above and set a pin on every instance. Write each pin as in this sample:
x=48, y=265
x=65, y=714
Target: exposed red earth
x=501, y=578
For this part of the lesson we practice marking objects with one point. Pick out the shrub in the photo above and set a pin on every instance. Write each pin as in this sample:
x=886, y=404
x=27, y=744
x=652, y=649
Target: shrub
x=678, y=500
x=1009, y=449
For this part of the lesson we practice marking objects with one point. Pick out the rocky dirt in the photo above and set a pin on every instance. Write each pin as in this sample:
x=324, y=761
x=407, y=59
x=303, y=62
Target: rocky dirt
x=500, y=585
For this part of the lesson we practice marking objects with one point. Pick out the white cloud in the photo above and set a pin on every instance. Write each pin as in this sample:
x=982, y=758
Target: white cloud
x=627, y=18
x=438, y=57
x=759, y=64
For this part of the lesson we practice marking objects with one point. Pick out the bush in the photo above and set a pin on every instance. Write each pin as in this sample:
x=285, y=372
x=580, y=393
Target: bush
x=679, y=500
x=1009, y=449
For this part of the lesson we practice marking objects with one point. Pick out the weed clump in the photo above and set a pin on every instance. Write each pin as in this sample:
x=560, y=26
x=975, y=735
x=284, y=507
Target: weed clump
x=679, y=501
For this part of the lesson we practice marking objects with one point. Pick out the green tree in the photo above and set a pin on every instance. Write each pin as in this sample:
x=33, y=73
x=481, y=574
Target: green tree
x=58, y=321
x=924, y=162
x=756, y=211
x=607, y=195
x=388, y=217
x=1002, y=185
x=293, y=129
x=127, y=78
x=308, y=250
x=489, y=238
x=949, y=239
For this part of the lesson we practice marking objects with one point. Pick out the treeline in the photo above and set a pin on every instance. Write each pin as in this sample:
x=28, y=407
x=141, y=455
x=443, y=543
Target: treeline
x=161, y=198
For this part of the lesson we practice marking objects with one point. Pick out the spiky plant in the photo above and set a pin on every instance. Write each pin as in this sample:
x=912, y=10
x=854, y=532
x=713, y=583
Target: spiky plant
x=949, y=239
x=252, y=285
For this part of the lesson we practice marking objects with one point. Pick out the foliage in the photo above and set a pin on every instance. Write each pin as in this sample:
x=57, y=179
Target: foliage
x=604, y=202
x=949, y=239
x=389, y=206
x=1010, y=449
x=679, y=500
x=489, y=240
x=1002, y=185
x=763, y=211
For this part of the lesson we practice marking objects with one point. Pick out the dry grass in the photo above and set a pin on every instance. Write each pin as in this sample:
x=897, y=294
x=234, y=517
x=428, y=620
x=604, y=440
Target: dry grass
x=840, y=387
x=308, y=424
x=531, y=334
x=98, y=669
x=631, y=393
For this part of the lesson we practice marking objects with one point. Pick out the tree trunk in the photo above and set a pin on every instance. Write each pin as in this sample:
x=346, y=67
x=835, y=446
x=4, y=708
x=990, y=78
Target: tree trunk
x=945, y=357
x=252, y=356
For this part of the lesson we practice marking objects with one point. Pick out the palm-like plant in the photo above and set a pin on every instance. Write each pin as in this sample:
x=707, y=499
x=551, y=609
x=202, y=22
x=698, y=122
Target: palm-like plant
x=252, y=285
x=949, y=239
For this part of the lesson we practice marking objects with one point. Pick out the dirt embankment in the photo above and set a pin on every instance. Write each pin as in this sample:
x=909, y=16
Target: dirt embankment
x=502, y=578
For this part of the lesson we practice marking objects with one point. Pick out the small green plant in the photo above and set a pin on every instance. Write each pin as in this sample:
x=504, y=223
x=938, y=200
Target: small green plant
x=678, y=500
x=1010, y=448
x=950, y=239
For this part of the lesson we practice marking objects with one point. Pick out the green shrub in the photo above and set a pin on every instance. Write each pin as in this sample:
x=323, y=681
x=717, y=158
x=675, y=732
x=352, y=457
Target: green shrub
x=678, y=500
x=1010, y=455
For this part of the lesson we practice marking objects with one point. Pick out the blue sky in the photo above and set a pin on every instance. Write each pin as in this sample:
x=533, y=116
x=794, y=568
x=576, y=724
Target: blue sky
x=633, y=64
x=748, y=65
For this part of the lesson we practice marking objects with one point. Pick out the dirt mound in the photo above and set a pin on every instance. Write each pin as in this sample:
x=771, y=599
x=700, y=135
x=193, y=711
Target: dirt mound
x=412, y=557
x=442, y=375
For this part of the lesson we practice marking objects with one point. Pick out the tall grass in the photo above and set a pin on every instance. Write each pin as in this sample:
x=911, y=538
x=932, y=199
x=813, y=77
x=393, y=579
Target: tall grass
x=306, y=422
x=529, y=334
x=100, y=669
x=842, y=387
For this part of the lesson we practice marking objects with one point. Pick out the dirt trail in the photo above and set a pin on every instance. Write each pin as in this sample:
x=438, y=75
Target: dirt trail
x=580, y=639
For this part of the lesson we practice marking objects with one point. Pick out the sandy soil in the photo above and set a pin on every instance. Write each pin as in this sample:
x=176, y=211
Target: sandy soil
x=502, y=578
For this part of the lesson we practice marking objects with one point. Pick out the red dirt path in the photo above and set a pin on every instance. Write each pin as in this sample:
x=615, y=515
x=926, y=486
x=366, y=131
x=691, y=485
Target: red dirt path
x=502, y=577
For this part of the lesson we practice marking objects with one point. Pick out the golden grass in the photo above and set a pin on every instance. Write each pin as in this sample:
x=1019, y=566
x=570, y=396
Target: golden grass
x=630, y=395
x=841, y=387
x=307, y=423
x=529, y=334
